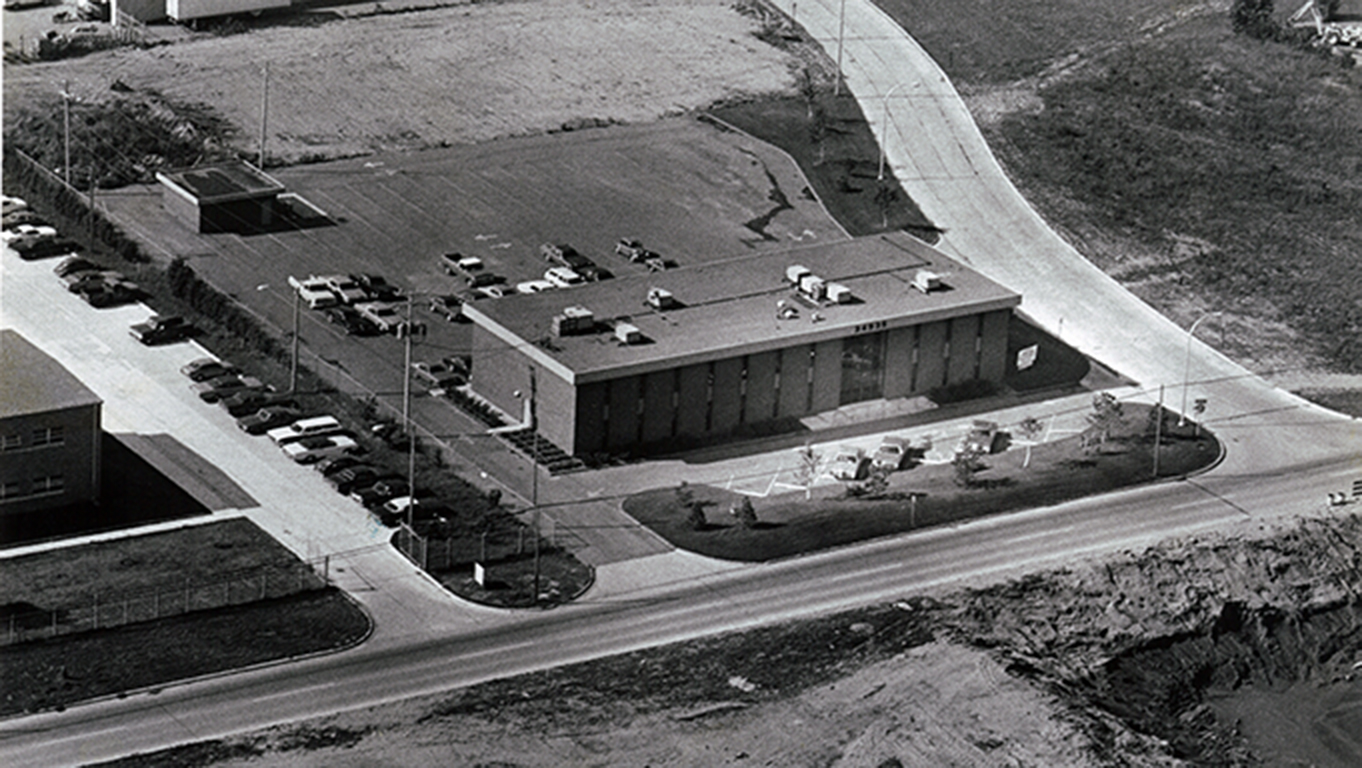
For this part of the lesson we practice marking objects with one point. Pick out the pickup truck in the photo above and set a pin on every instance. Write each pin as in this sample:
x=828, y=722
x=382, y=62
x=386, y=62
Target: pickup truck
x=314, y=292
x=213, y=390
x=160, y=329
x=382, y=314
x=449, y=372
x=345, y=289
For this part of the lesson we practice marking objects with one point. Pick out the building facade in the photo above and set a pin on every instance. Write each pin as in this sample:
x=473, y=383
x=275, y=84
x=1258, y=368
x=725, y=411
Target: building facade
x=227, y=197
x=49, y=431
x=649, y=362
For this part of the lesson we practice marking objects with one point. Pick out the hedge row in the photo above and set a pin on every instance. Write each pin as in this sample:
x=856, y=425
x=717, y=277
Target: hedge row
x=40, y=185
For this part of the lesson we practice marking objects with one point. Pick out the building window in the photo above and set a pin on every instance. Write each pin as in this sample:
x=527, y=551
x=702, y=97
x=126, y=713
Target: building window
x=813, y=358
x=11, y=442
x=917, y=346
x=742, y=392
x=709, y=398
x=979, y=349
x=49, y=484
x=11, y=489
x=49, y=436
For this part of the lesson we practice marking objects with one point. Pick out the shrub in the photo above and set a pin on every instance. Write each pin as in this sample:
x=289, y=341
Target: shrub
x=962, y=391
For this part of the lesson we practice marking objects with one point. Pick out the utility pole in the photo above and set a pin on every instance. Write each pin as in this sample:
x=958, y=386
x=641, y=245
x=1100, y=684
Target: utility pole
x=293, y=368
x=264, y=113
x=406, y=417
x=841, y=26
x=1158, y=430
x=66, y=120
x=534, y=481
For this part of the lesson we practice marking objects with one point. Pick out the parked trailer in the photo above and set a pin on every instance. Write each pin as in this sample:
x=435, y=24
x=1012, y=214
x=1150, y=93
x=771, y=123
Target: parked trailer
x=189, y=10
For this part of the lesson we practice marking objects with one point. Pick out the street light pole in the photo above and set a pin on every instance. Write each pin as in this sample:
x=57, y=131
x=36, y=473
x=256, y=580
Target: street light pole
x=293, y=367
x=66, y=120
x=841, y=27
x=1187, y=366
x=534, y=478
x=885, y=137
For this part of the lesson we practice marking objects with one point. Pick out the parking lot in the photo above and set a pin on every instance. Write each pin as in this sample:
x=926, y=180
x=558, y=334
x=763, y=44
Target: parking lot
x=685, y=188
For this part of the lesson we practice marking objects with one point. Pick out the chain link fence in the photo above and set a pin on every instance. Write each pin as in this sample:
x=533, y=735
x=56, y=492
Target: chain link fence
x=106, y=611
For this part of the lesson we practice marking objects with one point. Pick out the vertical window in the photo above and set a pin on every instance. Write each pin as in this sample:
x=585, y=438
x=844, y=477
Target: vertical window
x=10, y=489
x=813, y=359
x=912, y=370
x=979, y=349
x=742, y=392
x=863, y=367
x=11, y=442
x=709, y=398
x=49, y=436
x=946, y=356
x=676, y=400
x=50, y=484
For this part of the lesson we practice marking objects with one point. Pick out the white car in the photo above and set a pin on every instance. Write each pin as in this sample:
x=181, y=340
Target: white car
x=28, y=231
x=848, y=464
x=891, y=454
x=314, y=292
x=534, y=286
x=313, y=427
x=346, y=289
x=310, y=450
x=12, y=204
x=563, y=277
x=488, y=292
x=381, y=313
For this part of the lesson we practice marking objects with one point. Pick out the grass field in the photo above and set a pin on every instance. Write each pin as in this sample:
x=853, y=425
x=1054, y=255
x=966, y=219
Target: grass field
x=1205, y=170
x=788, y=525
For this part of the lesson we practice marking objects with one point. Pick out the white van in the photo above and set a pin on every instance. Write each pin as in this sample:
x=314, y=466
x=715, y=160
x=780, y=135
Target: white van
x=317, y=425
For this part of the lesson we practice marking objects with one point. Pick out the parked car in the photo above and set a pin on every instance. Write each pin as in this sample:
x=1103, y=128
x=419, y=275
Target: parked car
x=378, y=288
x=84, y=279
x=981, y=438
x=449, y=372
x=161, y=329
x=848, y=464
x=448, y=307
x=381, y=314
x=534, y=286
x=378, y=493
x=357, y=476
x=10, y=204
x=483, y=279
x=892, y=453
x=395, y=510
x=352, y=322
x=268, y=418
x=314, y=292
x=489, y=292
x=102, y=295
x=73, y=264
x=15, y=218
x=250, y=402
x=45, y=248
x=630, y=249
x=329, y=467
x=345, y=289
x=313, y=427
x=459, y=264
x=563, y=277
x=311, y=450
x=21, y=231
x=205, y=368
x=214, y=390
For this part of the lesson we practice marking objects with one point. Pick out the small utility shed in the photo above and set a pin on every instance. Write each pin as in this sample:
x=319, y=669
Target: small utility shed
x=225, y=197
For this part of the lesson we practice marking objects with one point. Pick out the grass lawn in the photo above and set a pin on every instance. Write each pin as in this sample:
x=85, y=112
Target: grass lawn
x=789, y=525
x=509, y=578
x=56, y=673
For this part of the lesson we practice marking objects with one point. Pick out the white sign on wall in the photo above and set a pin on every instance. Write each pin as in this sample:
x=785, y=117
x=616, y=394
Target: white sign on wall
x=1026, y=357
x=479, y=574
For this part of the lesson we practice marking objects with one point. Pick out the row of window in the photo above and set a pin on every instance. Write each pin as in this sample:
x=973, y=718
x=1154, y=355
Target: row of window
x=39, y=486
x=37, y=439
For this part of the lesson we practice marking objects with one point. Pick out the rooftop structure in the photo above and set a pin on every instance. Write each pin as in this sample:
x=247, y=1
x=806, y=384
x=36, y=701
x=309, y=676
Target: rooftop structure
x=226, y=197
x=34, y=383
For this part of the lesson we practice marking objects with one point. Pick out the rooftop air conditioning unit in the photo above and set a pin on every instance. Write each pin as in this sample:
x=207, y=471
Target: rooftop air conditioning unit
x=628, y=333
x=812, y=286
x=926, y=281
x=574, y=320
x=796, y=272
x=839, y=294
x=661, y=298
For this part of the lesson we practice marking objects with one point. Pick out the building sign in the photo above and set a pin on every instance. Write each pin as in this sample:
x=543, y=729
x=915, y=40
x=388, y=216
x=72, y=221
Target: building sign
x=1026, y=357
x=479, y=574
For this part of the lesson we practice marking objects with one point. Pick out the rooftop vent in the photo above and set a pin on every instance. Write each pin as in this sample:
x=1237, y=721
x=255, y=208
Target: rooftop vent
x=573, y=321
x=796, y=272
x=839, y=294
x=628, y=333
x=661, y=298
x=812, y=286
x=926, y=281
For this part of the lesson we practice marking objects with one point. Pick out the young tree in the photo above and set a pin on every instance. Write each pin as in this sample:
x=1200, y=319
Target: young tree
x=885, y=195
x=1030, y=429
x=747, y=516
x=818, y=131
x=1106, y=415
x=967, y=463
x=810, y=465
x=807, y=85
x=696, y=517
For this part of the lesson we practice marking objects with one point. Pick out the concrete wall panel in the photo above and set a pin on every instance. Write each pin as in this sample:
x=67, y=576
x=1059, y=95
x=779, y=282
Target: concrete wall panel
x=794, y=381
x=694, y=403
x=623, y=431
x=931, y=368
x=727, y=394
x=590, y=431
x=827, y=375
x=964, y=337
x=658, y=413
x=898, y=362
x=761, y=383
x=993, y=364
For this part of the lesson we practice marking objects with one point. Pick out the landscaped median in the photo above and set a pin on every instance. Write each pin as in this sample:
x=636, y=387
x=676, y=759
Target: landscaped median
x=926, y=495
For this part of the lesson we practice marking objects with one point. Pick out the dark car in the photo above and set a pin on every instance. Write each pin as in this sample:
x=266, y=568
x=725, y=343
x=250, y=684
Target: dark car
x=352, y=322
x=448, y=307
x=249, y=402
x=377, y=287
x=348, y=480
x=379, y=492
x=33, y=250
x=329, y=467
x=160, y=329
x=206, y=368
x=268, y=418
x=73, y=264
x=111, y=294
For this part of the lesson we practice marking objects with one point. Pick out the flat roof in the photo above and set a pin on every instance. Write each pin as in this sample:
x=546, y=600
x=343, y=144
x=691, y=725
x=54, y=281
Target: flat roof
x=221, y=183
x=32, y=382
x=730, y=307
